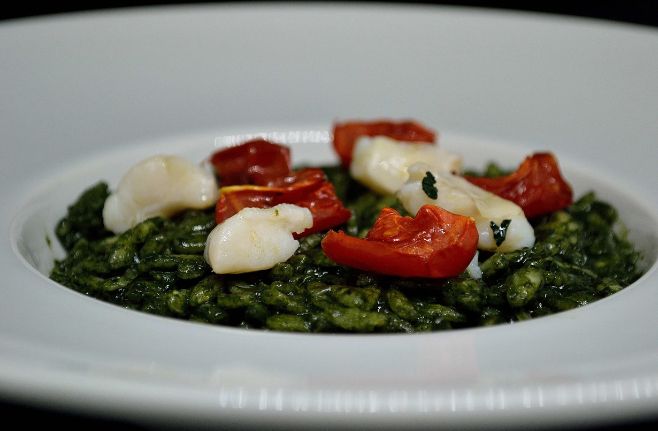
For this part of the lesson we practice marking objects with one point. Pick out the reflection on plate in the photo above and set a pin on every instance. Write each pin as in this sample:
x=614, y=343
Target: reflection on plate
x=128, y=84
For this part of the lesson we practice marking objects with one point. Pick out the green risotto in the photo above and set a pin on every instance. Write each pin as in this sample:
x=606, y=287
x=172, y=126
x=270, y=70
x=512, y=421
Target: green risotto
x=158, y=267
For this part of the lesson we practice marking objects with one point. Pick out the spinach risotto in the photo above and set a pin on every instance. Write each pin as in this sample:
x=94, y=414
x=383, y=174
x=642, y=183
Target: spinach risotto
x=345, y=271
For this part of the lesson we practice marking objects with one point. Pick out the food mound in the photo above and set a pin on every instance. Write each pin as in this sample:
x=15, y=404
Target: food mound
x=396, y=238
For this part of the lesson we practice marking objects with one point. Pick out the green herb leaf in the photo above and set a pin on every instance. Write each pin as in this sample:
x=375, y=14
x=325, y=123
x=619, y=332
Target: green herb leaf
x=500, y=232
x=429, y=185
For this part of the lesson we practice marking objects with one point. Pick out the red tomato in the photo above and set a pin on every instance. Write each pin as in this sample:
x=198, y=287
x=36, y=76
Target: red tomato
x=536, y=186
x=328, y=211
x=346, y=134
x=233, y=198
x=434, y=244
x=308, y=188
x=299, y=184
x=256, y=162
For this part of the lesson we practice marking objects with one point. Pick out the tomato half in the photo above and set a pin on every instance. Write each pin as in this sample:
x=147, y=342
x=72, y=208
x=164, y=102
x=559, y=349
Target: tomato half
x=300, y=183
x=234, y=198
x=308, y=188
x=257, y=162
x=327, y=209
x=434, y=244
x=537, y=186
x=346, y=134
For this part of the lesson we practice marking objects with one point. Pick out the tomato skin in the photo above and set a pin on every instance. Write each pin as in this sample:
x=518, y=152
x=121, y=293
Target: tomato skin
x=308, y=188
x=346, y=134
x=257, y=162
x=434, y=244
x=234, y=198
x=327, y=209
x=537, y=186
x=300, y=183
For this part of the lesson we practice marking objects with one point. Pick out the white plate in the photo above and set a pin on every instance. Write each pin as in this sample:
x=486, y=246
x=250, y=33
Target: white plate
x=82, y=95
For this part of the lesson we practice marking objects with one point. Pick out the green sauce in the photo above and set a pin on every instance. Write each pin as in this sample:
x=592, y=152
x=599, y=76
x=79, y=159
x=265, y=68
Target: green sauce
x=158, y=267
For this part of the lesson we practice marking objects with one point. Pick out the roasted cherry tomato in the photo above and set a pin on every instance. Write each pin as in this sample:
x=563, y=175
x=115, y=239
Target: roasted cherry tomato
x=308, y=188
x=434, y=244
x=256, y=162
x=327, y=209
x=536, y=186
x=233, y=198
x=346, y=134
x=300, y=183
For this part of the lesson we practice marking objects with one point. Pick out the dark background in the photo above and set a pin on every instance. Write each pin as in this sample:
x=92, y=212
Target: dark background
x=634, y=11
x=637, y=12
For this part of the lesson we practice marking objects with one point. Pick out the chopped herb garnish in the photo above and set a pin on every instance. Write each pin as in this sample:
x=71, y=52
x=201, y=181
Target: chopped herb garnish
x=429, y=186
x=500, y=232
